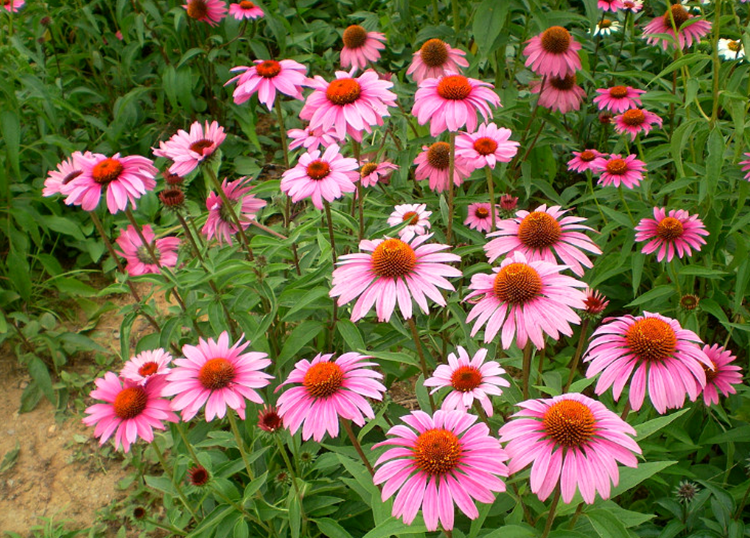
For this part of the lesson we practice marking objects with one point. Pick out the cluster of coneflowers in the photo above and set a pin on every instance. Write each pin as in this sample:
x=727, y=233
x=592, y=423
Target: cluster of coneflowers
x=448, y=456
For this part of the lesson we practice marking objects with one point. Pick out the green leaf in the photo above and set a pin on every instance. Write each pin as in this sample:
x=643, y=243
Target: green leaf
x=512, y=531
x=392, y=526
x=331, y=528
x=30, y=397
x=743, y=273
x=20, y=276
x=630, y=478
x=606, y=524
x=687, y=59
x=652, y=426
x=40, y=374
x=737, y=435
x=659, y=292
x=295, y=514
x=489, y=20
x=306, y=300
x=252, y=488
x=300, y=336
x=10, y=126
x=713, y=162
x=10, y=458
x=351, y=335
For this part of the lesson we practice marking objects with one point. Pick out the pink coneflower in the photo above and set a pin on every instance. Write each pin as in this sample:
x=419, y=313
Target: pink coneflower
x=559, y=94
x=541, y=234
x=320, y=177
x=188, y=150
x=633, y=6
x=328, y=390
x=609, y=5
x=678, y=232
x=269, y=419
x=347, y=104
x=722, y=376
x=689, y=28
x=434, y=164
x=508, y=203
x=391, y=271
x=361, y=46
x=479, y=217
x=746, y=166
x=553, y=53
x=372, y=173
x=214, y=374
x=584, y=160
x=125, y=179
x=434, y=59
x=470, y=379
x=13, y=6
x=267, y=77
x=636, y=120
x=311, y=139
x=138, y=256
x=666, y=358
x=220, y=223
x=525, y=299
x=452, y=101
x=595, y=303
x=618, y=98
x=208, y=11
x=615, y=170
x=447, y=460
x=66, y=171
x=245, y=10
x=146, y=365
x=131, y=410
x=487, y=146
x=416, y=215
x=573, y=441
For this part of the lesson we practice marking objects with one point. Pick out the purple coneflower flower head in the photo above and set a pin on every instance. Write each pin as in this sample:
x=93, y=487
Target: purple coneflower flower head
x=452, y=101
x=723, y=376
x=137, y=255
x=328, y=390
x=689, y=28
x=553, y=53
x=245, y=10
x=487, y=146
x=433, y=164
x=470, y=378
x=746, y=166
x=570, y=440
x=525, y=299
x=217, y=376
x=416, y=215
x=269, y=419
x=479, y=217
x=560, y=94
x=348, y=104
x=633, y=6
x=618, y=99
x=208, y=11
x=584, y=160
x=675, y=233
x=220, y=223
x=130, y=410
x=636, y=120
x=146, y=365
x=188, y=150
x=434, y=59
x=267, y=77
x=617, y=171
x=393, y=271
x=595, y=303
x=660, y=356
x=125, y=180
x=609, y=5
x=320, y=177
x=372, y=173
x=12, y=6
x=542, y=234
x=437, y=462
x=311, y=139
x=360, y=47
x=66, y=171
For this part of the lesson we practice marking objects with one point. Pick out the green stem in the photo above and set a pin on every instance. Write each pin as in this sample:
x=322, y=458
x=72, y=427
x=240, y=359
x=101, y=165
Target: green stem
x=360, y=191
x=353, y=438
x=170, y=528
x=526, y=369
x=451, y=172
x=456, y=18
x=285, y=457
x=241, y=510
x=491, y=189
x=226, y=203
x=188, y=445
x=626, y=410
x=575, y=517
x=551, y=514
x=716, y=63
x=420, y=353
x=590, y=181
x=240, y=443
x=162, y=461
x=578, y=353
